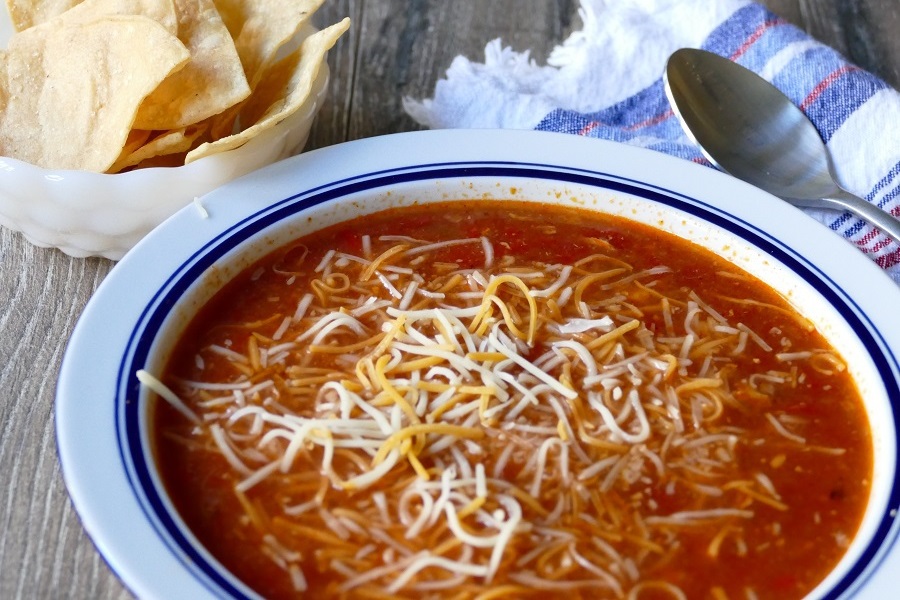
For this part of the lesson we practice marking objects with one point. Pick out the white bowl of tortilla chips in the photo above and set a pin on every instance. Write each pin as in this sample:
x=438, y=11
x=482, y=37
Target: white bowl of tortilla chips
x=117, y=113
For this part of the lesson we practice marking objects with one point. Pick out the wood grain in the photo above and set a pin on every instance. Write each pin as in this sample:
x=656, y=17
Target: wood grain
x=43, y=548
x=400, y=48
x=396, y=48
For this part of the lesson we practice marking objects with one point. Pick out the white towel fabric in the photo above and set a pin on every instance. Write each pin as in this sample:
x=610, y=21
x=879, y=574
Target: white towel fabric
x=605, y=81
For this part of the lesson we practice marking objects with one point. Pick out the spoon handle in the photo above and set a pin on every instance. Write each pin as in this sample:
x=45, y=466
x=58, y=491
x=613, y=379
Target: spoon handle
x=844, y=200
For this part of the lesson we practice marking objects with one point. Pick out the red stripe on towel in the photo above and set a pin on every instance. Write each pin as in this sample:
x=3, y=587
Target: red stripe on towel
x=755, y=36
x=823, y=85
x=589, y=127
x=888, y=260
x=651, y=121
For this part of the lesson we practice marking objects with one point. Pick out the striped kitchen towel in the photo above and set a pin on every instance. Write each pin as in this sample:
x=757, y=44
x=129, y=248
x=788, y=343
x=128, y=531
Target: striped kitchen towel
x=605, y=81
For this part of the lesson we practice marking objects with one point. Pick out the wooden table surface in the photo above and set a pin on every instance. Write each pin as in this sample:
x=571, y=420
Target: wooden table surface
x=395, y=48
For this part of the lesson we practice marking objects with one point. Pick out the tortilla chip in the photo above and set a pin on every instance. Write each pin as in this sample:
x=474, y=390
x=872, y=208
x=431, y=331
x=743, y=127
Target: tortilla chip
x=66, y=104
x=161, y=11
x=260, y=30
x=290, y=86
x=164, y=160
x=233, y=13
x=211, y=82
x=41, y=11
x=69, y=83
x=223, y=124
x=178, y=141
x=28, y=13
x=266, y=26
x=136, y=139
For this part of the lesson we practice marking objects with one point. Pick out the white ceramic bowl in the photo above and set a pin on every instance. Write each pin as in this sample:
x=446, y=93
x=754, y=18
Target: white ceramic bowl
x=95, y=214
x=145, y=302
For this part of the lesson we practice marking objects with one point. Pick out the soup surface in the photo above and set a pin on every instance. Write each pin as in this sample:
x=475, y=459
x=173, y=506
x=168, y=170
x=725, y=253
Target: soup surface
x=501, y=399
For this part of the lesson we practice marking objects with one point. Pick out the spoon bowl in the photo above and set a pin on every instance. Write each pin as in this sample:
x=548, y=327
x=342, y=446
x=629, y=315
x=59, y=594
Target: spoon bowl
x=748, y=128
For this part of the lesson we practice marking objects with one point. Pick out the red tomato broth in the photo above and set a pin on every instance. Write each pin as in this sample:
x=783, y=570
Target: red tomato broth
x=795, y=536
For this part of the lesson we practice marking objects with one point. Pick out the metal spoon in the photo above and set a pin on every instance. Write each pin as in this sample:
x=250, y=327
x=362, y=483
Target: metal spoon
x=747, y=127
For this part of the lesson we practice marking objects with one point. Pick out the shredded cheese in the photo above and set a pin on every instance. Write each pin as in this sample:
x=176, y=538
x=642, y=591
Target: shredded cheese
x=429, y=394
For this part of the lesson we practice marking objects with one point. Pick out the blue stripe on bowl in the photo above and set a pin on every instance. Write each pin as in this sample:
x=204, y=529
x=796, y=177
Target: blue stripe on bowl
x=128, y=409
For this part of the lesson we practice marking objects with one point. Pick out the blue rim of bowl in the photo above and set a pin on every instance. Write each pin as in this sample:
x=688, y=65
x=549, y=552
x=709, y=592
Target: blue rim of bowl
x=129, y=411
